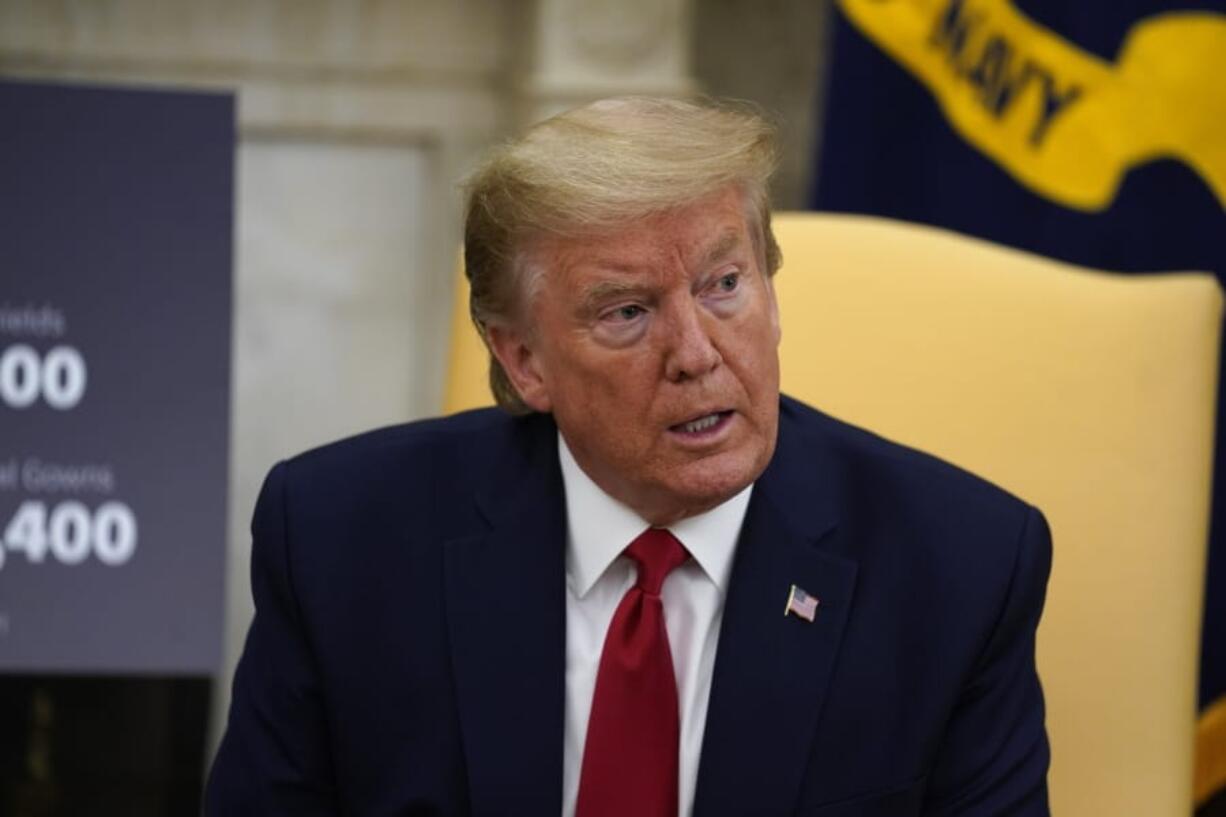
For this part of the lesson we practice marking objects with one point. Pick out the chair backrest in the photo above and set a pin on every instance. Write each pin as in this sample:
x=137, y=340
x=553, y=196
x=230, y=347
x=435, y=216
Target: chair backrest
x=1089, y=394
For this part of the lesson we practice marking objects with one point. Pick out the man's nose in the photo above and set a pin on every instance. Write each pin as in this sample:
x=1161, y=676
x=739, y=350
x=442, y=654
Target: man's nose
x=690, y=351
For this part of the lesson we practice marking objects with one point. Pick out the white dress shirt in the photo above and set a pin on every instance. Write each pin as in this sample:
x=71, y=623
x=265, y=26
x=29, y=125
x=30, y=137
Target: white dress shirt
x=597, y=576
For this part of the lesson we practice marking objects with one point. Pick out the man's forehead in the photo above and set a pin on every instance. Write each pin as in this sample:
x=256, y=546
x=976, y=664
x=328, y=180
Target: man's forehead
x=644, y=244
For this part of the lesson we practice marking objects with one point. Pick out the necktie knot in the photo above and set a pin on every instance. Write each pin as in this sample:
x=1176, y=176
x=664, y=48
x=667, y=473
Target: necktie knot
x=657, y=553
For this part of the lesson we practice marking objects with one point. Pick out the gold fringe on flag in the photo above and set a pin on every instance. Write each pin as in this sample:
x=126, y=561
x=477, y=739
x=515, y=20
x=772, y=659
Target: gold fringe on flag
x=1211, y=752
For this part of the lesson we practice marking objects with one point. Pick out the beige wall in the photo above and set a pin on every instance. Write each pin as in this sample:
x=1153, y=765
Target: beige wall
x=771, y=52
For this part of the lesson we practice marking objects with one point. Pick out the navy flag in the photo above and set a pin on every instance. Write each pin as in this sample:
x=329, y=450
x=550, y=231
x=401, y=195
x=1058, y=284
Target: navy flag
x=1091, y=131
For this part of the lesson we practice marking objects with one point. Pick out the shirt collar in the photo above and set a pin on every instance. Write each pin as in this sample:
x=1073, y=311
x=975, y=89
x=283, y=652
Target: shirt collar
x=599, y=528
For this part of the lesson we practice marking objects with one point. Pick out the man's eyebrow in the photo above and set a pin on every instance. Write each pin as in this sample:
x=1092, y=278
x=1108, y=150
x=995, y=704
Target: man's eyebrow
x=606, y=291
x=729, y=241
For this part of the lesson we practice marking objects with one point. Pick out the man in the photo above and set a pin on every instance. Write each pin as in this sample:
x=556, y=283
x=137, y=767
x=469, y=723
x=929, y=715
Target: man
x=648, y=584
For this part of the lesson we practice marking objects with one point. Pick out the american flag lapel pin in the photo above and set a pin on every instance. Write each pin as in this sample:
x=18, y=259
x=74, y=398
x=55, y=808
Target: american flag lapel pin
x=801, y=604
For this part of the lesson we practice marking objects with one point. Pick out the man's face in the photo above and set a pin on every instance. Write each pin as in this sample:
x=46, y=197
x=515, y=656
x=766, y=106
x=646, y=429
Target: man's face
x=655, y=348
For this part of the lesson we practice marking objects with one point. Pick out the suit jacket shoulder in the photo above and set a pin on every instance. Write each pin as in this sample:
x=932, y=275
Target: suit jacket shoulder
x=864, y=455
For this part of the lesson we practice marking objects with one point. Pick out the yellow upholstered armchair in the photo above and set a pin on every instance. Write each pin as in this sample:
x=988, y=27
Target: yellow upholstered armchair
x=1090, y=395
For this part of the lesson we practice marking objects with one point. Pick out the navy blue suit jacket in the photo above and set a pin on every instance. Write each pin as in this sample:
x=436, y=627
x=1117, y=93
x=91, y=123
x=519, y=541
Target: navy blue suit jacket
x=407, y=652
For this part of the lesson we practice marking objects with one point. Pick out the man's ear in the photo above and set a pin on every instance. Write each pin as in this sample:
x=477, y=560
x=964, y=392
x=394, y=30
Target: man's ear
x=522, y=365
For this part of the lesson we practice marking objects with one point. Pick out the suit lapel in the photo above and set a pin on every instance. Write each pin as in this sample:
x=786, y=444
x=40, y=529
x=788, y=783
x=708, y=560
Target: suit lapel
x=507, y=621
x=771, y=670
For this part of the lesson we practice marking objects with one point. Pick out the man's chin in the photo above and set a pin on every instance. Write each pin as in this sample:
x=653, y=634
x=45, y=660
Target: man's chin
x=699, y=492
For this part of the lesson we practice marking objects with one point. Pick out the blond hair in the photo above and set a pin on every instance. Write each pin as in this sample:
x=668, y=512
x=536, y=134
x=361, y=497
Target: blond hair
x=599, y=168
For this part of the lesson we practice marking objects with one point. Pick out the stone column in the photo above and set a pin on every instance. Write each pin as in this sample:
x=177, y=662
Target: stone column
x=587, y=49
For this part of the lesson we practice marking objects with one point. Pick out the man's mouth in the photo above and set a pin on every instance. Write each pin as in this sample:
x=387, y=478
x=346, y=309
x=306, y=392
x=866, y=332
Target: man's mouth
x=702, y=425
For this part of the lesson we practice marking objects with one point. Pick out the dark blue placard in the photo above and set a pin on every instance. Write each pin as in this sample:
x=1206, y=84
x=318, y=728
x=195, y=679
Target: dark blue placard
x=115, y=304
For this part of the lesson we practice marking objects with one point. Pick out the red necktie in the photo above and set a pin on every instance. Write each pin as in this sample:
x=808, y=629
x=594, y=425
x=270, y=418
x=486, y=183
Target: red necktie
x=633, y=732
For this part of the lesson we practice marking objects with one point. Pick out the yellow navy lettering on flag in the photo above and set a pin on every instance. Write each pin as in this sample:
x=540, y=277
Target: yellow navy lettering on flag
x=1062, y=121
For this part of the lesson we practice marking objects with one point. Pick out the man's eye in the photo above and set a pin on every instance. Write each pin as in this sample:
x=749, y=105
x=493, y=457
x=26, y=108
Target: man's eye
x=626, y=313
x=729, y=282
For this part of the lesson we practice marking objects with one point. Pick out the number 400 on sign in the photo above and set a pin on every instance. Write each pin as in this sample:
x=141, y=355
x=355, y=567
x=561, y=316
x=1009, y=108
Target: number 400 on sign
x=71, y=532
